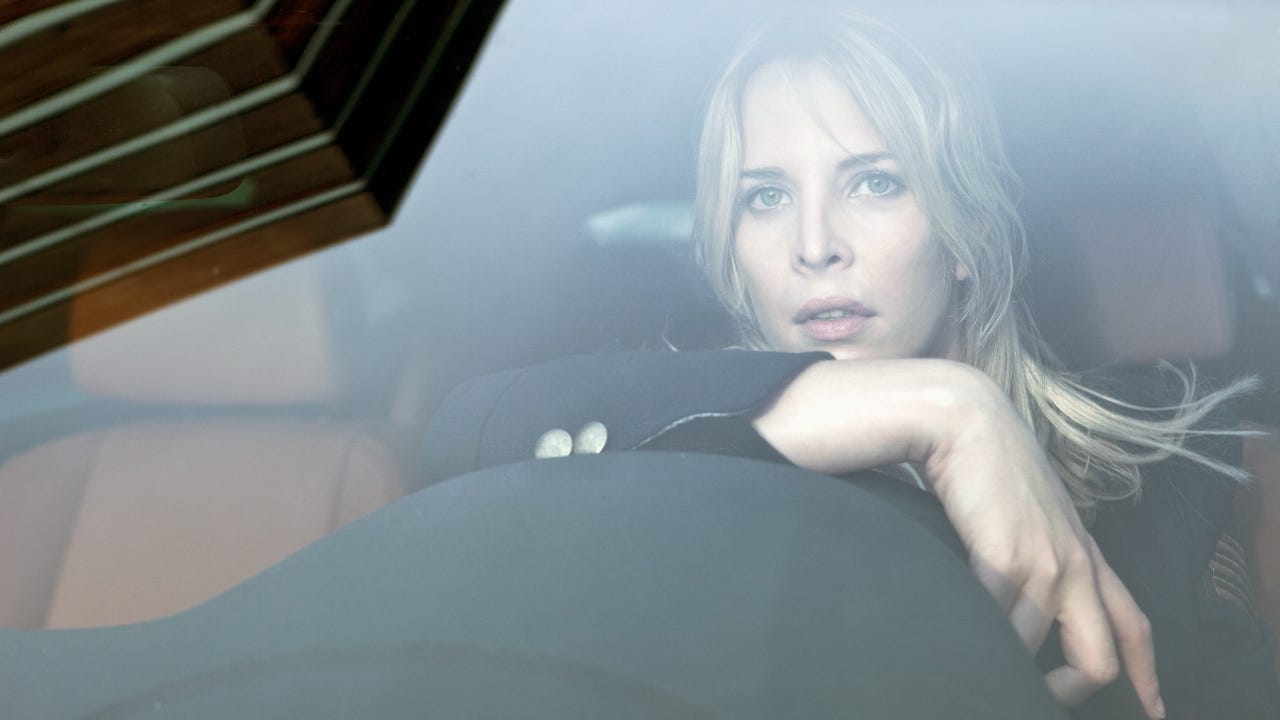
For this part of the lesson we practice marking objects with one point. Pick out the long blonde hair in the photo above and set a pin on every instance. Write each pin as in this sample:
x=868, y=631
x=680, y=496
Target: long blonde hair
x=941, y=126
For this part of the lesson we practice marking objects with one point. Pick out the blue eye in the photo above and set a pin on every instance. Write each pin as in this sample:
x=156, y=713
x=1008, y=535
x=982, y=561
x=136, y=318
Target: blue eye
x=876, y=184
x=767, y=198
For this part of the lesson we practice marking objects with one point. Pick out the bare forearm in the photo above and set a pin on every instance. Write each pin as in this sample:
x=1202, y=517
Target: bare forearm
x=840, y=416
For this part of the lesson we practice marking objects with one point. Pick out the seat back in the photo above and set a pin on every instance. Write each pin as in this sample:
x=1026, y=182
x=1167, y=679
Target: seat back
x=1158, y=291
x=147, y=518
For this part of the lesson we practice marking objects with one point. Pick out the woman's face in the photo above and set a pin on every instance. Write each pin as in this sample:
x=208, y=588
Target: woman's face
x=833, y=247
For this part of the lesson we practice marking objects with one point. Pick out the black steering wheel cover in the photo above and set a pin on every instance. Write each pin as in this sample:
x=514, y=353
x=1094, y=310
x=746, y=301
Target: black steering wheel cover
x=712, y=586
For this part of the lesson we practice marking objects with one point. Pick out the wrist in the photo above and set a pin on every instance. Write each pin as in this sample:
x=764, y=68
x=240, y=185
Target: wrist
x=949, y=399
x=970, y=415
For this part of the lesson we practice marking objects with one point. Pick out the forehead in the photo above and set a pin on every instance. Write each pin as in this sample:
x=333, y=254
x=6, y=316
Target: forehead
x=802, y=109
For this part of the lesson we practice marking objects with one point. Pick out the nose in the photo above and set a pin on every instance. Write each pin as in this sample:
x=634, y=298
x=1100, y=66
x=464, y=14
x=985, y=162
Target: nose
x=820, y=243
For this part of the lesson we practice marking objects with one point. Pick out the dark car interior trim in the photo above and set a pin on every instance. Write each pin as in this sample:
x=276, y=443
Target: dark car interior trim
x=95, y=191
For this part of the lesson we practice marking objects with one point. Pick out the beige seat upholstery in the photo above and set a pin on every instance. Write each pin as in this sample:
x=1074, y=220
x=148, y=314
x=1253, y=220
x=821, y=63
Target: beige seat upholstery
x=147, y=518
x=1154, y=287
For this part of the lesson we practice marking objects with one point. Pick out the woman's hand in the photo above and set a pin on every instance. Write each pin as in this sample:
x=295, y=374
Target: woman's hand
x=1025, y=539
x=1029, y=548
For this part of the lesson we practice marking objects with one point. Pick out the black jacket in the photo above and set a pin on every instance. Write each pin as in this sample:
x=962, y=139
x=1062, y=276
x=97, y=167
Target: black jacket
x=1173, y=548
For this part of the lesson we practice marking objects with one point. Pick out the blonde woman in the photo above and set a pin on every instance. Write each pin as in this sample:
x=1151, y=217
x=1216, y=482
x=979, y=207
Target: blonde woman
x=855, y=215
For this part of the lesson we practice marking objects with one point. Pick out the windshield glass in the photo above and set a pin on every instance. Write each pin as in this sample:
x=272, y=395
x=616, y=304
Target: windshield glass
x=553, y=213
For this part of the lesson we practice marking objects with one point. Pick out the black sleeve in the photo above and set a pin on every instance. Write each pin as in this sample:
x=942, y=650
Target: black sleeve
x=640, y=397
x=718, y=435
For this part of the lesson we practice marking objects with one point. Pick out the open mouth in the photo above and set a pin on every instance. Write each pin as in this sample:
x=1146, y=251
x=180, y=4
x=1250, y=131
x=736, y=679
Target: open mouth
x=833, y=318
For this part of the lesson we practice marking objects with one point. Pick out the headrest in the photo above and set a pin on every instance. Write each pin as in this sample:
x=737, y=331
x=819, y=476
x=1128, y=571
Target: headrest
x=1156, y=287
x=264, y=340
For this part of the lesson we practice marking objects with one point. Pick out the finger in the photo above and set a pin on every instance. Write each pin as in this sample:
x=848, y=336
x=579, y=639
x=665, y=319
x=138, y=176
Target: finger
x=1031, y=622
x=1069, y=686
x=1133, y=637
x=1087, y=643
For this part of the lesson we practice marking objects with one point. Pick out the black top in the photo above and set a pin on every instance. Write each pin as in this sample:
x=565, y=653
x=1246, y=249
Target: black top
x=1172, y=548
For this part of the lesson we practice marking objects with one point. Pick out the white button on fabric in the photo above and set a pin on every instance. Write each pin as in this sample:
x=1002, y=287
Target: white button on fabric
x=591, y=439
x=554, y=443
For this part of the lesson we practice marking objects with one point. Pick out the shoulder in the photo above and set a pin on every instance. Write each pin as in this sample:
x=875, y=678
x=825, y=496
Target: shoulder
x=1158, y=392
x=1184, y=508
x=1175, y=489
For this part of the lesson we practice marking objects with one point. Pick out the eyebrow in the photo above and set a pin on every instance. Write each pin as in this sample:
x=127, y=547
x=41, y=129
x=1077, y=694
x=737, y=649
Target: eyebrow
x=853, y=161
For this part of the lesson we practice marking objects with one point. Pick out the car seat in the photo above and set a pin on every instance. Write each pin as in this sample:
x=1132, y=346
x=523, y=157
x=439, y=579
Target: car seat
x=238, y=466
x=1156, y=288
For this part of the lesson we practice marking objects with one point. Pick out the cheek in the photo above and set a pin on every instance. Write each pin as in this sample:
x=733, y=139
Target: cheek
x=923, y=279
x=931, y=283
x=933, y=294
x=762, y=285
x=754, y=266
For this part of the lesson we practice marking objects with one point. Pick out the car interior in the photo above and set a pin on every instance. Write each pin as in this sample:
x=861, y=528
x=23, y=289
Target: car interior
x=172, y=425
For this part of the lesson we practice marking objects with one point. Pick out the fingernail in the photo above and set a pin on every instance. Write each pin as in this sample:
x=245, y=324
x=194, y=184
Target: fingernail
x=1160, y=712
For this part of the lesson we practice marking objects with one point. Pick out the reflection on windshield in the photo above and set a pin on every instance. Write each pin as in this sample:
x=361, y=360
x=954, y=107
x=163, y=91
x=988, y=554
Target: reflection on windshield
x=551, y=215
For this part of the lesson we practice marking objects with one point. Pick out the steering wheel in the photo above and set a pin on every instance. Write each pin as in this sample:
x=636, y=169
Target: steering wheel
x=641, y=584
